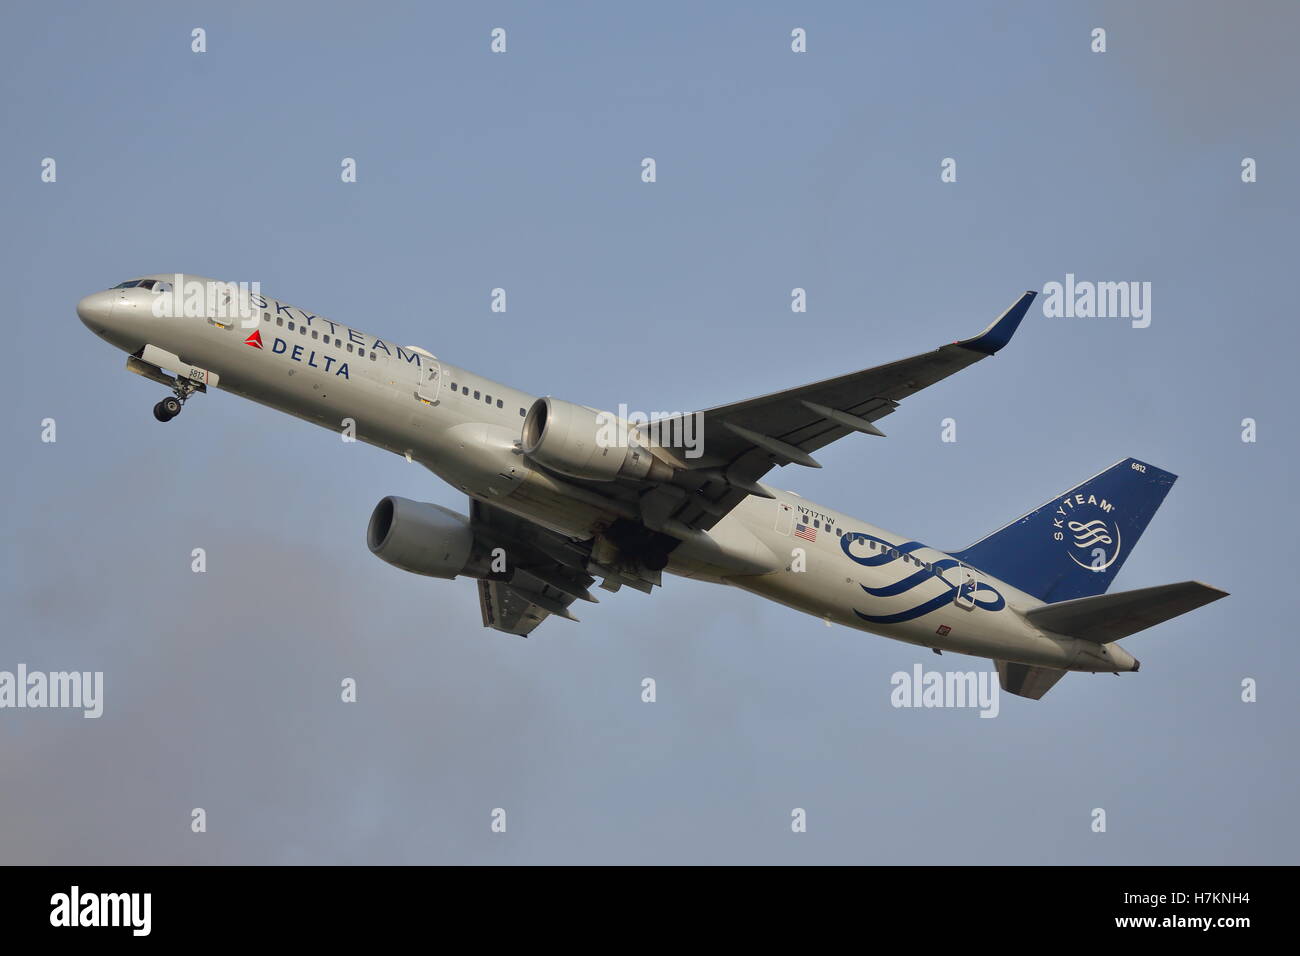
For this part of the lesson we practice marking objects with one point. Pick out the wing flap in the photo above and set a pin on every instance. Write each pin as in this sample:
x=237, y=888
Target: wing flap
x=545, y=572
x=508, y=609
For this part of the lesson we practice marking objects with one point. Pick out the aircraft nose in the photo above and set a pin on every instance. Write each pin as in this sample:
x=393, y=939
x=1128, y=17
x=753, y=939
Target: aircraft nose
x=95, y=310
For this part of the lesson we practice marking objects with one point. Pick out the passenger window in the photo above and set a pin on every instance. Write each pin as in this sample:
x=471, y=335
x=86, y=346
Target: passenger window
x=476, y=394
x=266, y=316
x=500, y=403
x=290, y=325
x=488, y=399
x=349, y=346
x=454, y=388
x=522, y=413
x=279, y=320
x=338, y=343
x=315, y=334
x=302, y=330
x=372, y=356
x=361, y=352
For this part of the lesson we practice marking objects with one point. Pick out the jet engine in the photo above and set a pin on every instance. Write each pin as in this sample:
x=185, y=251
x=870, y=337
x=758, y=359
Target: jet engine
x=585, y=443
x=421, y=538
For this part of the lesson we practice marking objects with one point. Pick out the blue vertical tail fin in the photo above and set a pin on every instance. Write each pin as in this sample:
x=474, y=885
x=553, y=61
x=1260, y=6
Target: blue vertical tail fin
x=1074, y=545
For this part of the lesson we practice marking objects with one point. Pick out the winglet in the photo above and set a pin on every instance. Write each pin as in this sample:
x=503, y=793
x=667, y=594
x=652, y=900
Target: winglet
x=999, y=333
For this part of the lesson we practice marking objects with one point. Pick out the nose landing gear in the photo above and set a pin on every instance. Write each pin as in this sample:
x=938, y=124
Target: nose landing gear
x=170, y=407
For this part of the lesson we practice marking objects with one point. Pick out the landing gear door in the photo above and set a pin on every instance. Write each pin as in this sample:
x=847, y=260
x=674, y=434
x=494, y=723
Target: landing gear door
x=964, y=597
x=430, y=380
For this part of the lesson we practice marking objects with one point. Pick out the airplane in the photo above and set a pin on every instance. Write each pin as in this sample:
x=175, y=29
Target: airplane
x=557, y=501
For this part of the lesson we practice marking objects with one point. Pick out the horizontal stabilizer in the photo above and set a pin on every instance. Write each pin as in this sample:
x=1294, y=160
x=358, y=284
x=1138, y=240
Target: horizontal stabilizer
x=1026, y=681
x=1108, y=617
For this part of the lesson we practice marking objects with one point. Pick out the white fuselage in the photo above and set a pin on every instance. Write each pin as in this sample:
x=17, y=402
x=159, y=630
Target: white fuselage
x=466, y=429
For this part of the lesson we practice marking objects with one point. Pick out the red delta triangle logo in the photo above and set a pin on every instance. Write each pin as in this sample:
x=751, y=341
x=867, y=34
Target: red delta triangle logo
x=255, y=340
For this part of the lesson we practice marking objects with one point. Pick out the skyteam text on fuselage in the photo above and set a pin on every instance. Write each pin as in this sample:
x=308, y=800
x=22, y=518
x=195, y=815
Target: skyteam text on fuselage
x=554, y=505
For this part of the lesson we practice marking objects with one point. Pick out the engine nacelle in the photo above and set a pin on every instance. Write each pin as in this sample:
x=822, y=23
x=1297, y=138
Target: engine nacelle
x=420, y=537
x=581, y=442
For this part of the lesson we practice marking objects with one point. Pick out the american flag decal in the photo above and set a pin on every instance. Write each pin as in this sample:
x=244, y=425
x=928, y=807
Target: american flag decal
x=805, y=532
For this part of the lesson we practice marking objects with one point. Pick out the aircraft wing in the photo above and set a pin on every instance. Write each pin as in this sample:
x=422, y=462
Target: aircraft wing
x=544, y=572
x=741, y=442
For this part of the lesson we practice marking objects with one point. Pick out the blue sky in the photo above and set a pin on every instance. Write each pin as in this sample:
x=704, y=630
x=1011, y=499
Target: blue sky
x=775, y=170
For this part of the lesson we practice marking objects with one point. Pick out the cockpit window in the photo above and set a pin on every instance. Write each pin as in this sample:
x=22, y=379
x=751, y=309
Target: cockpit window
x=154, y=285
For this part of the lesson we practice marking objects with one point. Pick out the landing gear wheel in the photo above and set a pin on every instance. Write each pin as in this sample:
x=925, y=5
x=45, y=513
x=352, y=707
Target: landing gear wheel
x=167, y=409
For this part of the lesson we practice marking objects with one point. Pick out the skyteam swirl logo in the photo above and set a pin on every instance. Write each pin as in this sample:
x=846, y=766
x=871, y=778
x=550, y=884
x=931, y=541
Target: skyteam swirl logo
x=979, y=593
x=1088, y=527
x=1091, y=533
